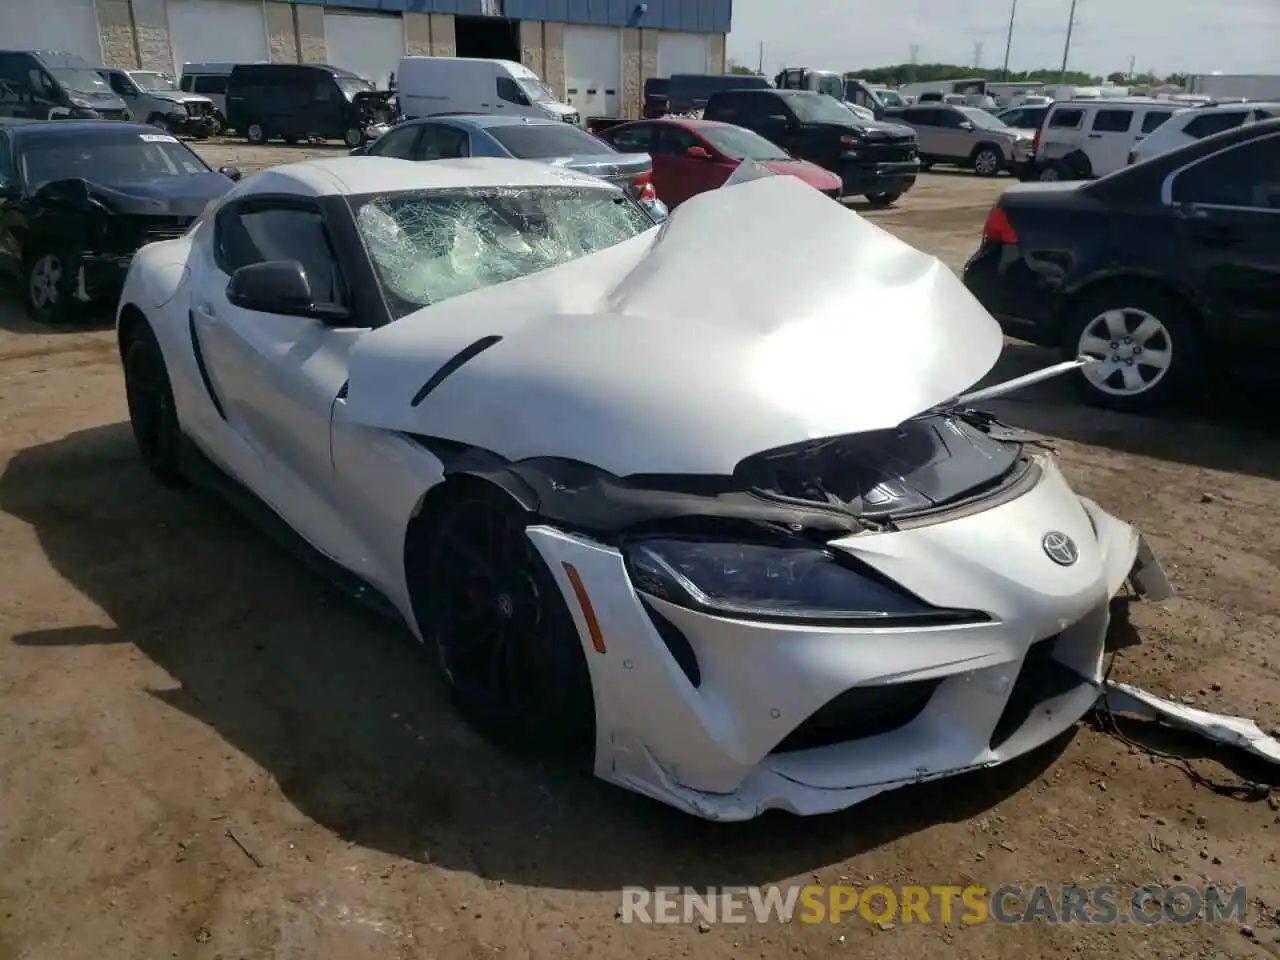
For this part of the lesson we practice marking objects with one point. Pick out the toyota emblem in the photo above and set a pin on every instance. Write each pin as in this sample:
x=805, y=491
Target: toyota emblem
x=1060, y=548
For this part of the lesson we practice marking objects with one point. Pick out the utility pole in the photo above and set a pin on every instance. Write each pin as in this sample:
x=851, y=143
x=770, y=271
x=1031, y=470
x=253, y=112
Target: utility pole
x=760, y=68
x=977, y=54
x=915, y=54
x=1066, y=47
x=1008, y=43
x=1132, y=61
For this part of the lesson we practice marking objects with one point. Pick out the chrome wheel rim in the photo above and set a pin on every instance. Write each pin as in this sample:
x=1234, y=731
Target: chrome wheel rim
x=255, y=132
x=1049, y=174
x=1134, y=350
x=986, y=163
x=45, y=277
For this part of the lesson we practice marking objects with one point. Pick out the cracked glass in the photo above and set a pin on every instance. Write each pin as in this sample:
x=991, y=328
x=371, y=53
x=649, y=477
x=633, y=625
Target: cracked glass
x=431, y=246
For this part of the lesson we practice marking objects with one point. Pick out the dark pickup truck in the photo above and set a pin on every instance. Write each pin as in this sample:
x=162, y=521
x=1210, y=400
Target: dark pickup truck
x=877, y=160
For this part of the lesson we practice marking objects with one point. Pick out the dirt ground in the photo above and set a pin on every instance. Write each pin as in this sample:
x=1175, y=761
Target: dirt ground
x=203, y=754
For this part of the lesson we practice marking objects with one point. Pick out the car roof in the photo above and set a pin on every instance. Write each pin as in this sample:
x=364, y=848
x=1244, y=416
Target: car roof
x=485, y=120
x=358, y=175
x=74, y=128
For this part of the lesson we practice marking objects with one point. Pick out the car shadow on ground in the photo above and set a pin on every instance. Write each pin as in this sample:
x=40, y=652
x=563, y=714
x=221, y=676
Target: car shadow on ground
x=1225, y=424
x=349, y=716
x=14, y=319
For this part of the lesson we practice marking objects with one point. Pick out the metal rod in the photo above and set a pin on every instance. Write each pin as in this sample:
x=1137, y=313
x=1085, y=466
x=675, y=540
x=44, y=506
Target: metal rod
x=1066, y=47
x=1008, y=44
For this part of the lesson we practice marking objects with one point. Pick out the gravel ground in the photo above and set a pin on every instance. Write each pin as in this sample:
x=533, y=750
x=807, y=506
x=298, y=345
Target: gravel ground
x=204, y=755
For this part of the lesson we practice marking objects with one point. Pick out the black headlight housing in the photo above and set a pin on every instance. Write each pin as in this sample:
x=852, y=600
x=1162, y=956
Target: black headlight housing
x=776, y=582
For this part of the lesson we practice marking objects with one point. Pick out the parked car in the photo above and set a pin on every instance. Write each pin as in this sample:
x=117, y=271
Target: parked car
x=1188, y=126
x=694, y=156
x=522, y=138
x=52, y=85
x=966, y=137
x=155, y=99
x=79, y=197
x=527, y=427
x=655, y=97
x=878, y=160
x=1081, y=139
x=300, y=101
x=1026, y=117
x=1162, y=270
x=210, y=80
x=688, y=93
x=430, y=86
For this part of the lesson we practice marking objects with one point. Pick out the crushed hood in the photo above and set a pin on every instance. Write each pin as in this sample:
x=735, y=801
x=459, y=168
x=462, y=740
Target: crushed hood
x=185, y=196
x=690, y=347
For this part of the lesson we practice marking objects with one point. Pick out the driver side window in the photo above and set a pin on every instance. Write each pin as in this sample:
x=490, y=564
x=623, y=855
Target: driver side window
x=120, y=85
x=396, y=143
x=510, y=91
x=257, y=234
x=1245, y=176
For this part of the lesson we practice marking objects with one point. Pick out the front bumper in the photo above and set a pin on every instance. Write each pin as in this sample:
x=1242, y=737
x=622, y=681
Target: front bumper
x=194, y=126
x=752, y=723
x=858, y=178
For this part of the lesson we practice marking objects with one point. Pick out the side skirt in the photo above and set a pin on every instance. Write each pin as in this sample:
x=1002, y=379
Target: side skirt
x=204, y=473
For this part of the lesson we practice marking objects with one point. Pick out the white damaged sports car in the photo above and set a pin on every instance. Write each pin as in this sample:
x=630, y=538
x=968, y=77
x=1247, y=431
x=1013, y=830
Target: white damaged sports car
x=699, y=498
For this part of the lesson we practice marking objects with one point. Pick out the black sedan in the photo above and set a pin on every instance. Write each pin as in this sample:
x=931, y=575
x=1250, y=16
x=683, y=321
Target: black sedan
x=1162, y=271
x=79, y=198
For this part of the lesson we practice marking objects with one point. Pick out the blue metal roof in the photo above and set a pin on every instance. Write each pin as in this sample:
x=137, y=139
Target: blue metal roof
x=698, y=16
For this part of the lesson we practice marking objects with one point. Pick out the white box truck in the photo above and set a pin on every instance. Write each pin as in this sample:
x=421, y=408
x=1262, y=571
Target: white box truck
x=428, y=86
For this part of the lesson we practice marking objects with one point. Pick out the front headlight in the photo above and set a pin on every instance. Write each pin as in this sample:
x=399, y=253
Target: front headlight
x=766, y=582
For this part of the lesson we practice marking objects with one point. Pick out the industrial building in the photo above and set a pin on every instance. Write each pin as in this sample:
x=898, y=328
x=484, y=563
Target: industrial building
x=596, y=54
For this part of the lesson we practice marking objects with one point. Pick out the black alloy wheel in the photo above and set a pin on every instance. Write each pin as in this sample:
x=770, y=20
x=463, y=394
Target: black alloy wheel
x=507, y=641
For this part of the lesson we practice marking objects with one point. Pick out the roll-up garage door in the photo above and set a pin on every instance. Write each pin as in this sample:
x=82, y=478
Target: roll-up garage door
x=67, y=25
x=369, y=45
x=681, y=53
x=593, y=70
x=217, y=31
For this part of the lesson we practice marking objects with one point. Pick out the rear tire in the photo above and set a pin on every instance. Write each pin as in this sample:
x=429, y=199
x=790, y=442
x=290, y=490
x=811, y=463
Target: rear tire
x=255, y=134
x=353, y=137
x=1149, y=342
x=506, y=639
x=883, y=199
x=987, y=161
x=152, y=412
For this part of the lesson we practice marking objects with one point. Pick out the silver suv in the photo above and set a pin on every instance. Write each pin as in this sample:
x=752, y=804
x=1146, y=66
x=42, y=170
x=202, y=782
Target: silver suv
x=155, y=99
x=967, y=137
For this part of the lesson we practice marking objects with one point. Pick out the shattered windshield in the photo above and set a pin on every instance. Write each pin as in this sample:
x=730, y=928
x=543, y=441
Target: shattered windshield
x=117, y=159
x=350, y=86
x=156, y=82
x=80, y=79
x=536, y=90
x=430, y=246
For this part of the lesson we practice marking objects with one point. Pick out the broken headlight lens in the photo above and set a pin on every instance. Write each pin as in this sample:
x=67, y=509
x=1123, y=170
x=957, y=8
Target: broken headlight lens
x=758, y=581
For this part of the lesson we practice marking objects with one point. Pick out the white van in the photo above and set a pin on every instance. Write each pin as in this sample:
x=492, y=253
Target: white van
x=1082, y=139
x=427, y=86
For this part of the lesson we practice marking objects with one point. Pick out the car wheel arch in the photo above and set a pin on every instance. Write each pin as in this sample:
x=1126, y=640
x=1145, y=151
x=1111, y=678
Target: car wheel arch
x=131, y=320
x=986, y=145
x=1161, y=286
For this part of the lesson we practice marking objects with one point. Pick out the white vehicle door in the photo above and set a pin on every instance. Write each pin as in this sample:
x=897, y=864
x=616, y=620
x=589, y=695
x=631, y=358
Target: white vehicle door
x=1111, y=136
x=276, y=378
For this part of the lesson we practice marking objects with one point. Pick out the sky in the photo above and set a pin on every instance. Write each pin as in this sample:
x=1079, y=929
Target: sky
x=1168, y=36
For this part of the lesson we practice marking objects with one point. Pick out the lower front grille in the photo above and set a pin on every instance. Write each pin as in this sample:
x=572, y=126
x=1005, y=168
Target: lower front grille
x=196, y=109
x=114, y=114
x=891, y=153
x=1041, y=678
x=163, y=228
x=860, y=713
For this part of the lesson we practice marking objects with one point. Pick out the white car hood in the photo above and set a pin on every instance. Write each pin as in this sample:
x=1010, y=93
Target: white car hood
x=759, y=315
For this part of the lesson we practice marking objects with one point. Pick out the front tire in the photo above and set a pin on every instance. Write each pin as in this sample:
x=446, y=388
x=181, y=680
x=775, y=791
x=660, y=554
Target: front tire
x=255, y=134
x=353, y=137
x=507, y=641
x=1147, y=341
x=152, y=412
x=47, y=289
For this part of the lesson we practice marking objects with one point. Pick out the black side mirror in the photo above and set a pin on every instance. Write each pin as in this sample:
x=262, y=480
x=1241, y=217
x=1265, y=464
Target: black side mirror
x=280, y=287
x=231, y=173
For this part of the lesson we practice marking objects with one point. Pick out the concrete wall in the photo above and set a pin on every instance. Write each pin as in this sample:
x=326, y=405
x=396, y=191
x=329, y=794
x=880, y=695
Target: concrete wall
x=417, y=34
x=716, y=54
x=282, y=34
x=444, y=42
x=631, y=73
x=115, y=29
x=308, y=19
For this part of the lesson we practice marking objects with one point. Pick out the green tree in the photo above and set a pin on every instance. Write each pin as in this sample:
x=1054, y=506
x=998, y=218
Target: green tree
x=937, y=72
x=734, y=67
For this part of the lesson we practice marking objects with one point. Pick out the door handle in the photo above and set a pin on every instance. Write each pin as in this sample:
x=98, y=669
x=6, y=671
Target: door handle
x=1095, y=136
x=206, y=310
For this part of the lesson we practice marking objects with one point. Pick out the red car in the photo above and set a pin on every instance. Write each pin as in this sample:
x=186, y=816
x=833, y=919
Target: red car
x=694, y=156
